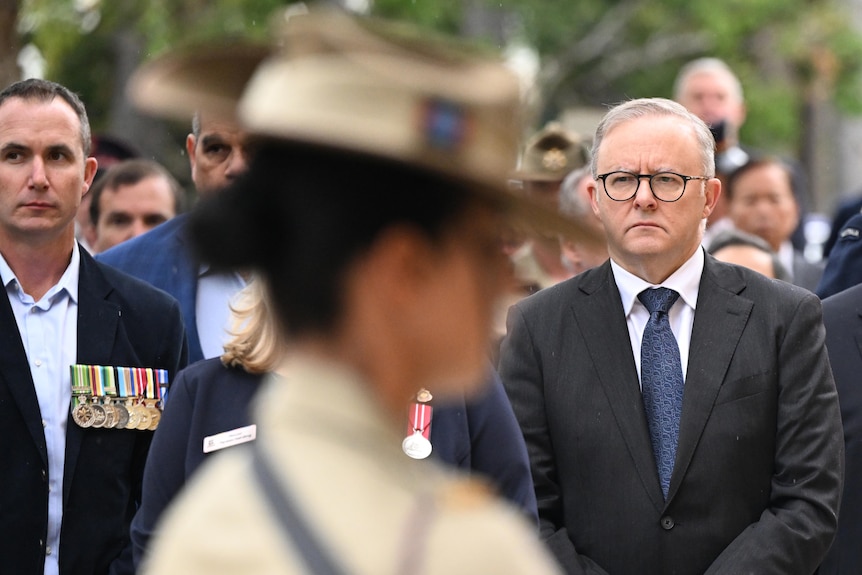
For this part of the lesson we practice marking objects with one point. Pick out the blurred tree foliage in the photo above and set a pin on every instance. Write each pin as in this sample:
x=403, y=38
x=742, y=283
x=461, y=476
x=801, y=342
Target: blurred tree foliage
x=789, y=54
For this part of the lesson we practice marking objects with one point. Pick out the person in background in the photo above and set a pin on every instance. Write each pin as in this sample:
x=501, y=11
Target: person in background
x=379, y=295
x=761, y=202
x=575, y=203
x=548, y=157
x=108, y=150
x=710, y=90
x=737, y=247
x=133, y=197
x=679, y=412
x=844, y=265
x=218, y=151
x=70, y=485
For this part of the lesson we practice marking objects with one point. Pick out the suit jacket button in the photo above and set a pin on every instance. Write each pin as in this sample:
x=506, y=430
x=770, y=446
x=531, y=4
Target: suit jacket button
x=667, y=523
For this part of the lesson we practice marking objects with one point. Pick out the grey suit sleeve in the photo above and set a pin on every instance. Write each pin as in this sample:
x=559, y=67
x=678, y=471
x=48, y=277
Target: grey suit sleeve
x=795, y=531
x=521, y=371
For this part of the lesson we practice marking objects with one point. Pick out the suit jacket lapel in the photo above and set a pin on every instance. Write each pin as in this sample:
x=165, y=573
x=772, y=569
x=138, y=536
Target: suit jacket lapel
x=719, y=320
x=599, y=314
x=15, y=370
x=97, y=328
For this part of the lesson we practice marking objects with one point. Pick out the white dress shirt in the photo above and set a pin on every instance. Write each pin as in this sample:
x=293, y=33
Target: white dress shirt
x=685, y=281
x=212, y=308
x=49, y=332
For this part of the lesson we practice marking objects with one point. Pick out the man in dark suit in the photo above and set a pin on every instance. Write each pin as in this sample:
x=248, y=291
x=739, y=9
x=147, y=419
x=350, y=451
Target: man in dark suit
x=218, y=152
x=67, y=493
x=842, y=316
x=735, y=465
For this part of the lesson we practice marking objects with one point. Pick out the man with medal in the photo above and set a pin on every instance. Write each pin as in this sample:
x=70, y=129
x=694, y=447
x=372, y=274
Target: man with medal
x=67, y=492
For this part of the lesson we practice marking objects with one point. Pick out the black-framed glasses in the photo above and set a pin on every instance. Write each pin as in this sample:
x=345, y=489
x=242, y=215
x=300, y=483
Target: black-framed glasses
x=665, y=186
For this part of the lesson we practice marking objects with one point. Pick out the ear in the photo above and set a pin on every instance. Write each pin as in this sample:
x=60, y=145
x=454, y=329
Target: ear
x=712, y=191
x=191, y=143
x=593, y=189
x=90, y=166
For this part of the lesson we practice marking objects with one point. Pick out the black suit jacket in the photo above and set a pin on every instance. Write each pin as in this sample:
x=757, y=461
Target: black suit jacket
x=842, y=316
x=758, y=472
x=121, y=321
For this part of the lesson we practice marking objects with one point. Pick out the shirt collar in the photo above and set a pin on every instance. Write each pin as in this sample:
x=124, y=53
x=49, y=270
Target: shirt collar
x=68, y=281
x=685, y=281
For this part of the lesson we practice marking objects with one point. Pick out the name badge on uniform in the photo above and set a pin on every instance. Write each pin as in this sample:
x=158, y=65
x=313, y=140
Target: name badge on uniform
x=230, y=438
x=417, y=444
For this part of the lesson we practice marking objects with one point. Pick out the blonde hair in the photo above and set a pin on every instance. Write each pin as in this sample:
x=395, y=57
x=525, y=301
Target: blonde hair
x=256, y=343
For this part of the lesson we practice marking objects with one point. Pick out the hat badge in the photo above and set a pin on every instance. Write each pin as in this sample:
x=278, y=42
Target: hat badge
x=554, y=159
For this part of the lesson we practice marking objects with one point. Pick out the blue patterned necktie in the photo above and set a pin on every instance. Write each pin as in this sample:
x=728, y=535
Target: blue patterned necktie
x=661, y=380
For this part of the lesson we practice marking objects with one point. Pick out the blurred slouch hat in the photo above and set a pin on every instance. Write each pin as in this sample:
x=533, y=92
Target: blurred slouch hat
x=551, y=154
x=364, y=86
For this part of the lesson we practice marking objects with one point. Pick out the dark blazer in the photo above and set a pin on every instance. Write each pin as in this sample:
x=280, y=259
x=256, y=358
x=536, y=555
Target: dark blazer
x=758, y=468
x=122, y=322
x=163, y=257
x=842, y=316
x=844, y=266
x=480, y=436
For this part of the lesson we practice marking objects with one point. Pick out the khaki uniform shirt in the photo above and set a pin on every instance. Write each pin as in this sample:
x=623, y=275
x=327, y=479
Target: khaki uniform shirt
x=340, y=456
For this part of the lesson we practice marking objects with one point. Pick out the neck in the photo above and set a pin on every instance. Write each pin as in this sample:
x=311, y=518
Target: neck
x=38, y=267
x=653, y=270
x=383, y=370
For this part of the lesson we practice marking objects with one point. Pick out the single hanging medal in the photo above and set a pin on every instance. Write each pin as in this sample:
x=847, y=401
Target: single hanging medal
x=417, y=444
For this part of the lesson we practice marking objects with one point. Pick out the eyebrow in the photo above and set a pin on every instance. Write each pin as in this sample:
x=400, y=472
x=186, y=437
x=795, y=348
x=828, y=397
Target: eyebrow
x=62, y=148
x=14, y=147
x=212, y=139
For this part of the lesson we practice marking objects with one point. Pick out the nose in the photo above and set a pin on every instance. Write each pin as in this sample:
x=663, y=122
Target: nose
x=38, y=177
x=137, y=228
x=237, y=163
x=644, y=197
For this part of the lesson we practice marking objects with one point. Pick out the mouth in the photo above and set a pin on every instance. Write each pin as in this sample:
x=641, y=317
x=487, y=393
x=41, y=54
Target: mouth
x=38, y=205
x=647, y=225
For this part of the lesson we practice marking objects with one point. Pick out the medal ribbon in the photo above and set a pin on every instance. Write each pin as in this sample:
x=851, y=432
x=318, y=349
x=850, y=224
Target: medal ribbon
x=80, y=384
x=162, y=390
x=420, y=420
x=124, y=381
x=109, y=380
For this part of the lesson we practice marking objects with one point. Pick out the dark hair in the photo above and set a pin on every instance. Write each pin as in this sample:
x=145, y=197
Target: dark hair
x=758, y=161
x=734, y=237
x=302, y=214
x=46, y=91
x=129, y=173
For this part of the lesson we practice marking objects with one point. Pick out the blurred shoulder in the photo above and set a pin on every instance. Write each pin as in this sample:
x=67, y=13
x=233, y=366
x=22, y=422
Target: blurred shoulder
x=477, y=532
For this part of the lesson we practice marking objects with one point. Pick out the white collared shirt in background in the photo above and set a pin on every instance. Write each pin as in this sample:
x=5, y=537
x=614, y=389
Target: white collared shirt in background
x=212, y=308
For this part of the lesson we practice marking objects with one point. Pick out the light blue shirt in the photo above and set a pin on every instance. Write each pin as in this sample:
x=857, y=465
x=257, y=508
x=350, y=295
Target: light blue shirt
x=685, y=281
x=212, y=308
x=49, y=332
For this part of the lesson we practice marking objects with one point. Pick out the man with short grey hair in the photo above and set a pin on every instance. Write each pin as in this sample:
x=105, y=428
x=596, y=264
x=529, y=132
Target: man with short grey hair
x=680, y=413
